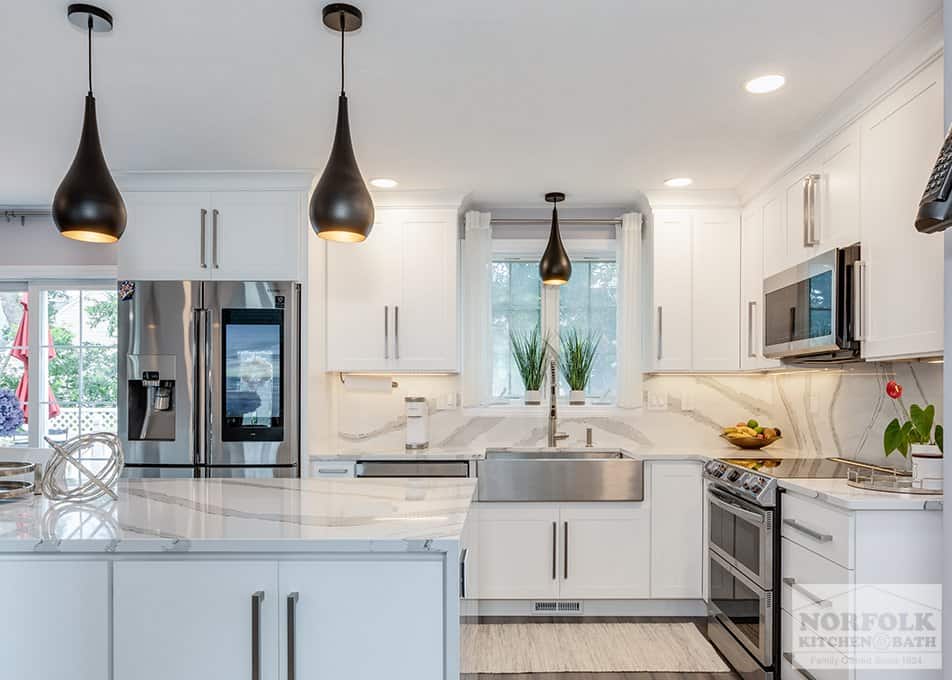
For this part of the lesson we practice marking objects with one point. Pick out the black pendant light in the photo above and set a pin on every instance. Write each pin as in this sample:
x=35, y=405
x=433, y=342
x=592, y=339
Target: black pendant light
x=340, y=208
x=87, y=205
x=555, y=268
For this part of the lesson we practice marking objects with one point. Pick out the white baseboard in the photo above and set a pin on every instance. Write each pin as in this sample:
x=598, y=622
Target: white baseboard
x=673, y=608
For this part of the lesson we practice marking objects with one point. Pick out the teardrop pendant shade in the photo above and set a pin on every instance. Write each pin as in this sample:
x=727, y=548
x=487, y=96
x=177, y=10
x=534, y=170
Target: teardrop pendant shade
x=341, y=208
x=555, y=268
x=87, y=205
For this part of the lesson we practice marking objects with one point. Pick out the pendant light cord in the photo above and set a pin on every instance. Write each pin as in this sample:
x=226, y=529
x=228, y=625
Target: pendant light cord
x=342, y=32
x=90, y=40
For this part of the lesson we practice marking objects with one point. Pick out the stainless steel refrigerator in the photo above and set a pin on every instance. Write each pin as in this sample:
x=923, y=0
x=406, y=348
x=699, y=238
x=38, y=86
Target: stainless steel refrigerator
x=209, y=378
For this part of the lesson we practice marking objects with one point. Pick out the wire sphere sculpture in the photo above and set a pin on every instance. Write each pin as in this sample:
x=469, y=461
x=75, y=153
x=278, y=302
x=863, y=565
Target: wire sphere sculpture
x=61, y=483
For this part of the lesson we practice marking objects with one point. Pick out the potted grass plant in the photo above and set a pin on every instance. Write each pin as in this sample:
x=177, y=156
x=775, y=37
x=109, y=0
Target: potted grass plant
x=529, y=351
x=576, y=359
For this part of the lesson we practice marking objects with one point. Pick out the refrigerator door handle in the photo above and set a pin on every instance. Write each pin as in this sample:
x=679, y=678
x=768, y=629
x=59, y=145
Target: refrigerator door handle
x=198, y=398
x=208, y=407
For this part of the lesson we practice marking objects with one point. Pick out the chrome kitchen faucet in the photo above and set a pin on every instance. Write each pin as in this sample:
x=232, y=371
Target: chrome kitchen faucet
x=554, y=434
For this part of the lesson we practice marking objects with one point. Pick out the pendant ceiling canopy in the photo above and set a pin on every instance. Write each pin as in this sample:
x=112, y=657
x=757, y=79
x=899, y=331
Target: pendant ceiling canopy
x=87, y=205
x=341, y=208
x=555, y=268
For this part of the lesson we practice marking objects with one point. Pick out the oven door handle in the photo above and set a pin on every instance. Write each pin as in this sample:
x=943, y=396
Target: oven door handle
x=733, y=508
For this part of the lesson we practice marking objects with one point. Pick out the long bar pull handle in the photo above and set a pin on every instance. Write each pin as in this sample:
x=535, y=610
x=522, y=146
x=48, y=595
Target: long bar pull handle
x=806, y=211
x=565, y=550
x=201, y=237
x=292, y=634
x=751, y=351
x=396, y=331
x=819, y=601
x=209, y=406
x=660, y=333
x=198, y=386
x=807, y=531
x=555, y=542
x=215, y=238
x=859, y=300
x=797, y=667
x=256, y=600
x=462, y=576
x=386, y=331
x=814, y=237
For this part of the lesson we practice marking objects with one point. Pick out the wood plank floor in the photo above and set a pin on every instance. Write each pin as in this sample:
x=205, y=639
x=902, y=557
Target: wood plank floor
x=700, y=623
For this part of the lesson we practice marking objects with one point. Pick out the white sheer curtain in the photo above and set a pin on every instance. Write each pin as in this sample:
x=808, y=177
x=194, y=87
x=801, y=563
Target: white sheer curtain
x=477, y=308
x=628, y=315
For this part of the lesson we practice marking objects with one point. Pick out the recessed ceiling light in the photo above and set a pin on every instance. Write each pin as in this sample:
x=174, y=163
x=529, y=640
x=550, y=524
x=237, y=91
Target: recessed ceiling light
x=678, y=182
x=765, y=84
x=384, y=183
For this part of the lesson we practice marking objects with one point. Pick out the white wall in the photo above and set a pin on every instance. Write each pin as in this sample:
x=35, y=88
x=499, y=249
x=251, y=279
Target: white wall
x=38, y=243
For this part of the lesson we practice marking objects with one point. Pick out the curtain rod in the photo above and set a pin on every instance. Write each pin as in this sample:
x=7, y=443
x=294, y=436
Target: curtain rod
x=562, y=220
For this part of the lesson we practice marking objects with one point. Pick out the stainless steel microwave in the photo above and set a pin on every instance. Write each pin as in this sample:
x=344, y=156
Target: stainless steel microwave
x=812, y=311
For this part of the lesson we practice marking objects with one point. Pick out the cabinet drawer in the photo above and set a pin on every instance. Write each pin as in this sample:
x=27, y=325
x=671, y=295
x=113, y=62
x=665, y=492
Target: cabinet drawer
x=798, y=666
x=333, y=469
x=818, y=527
x=811, y=575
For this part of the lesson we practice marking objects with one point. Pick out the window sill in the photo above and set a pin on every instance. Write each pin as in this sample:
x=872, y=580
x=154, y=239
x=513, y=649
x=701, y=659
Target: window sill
x=566, y=410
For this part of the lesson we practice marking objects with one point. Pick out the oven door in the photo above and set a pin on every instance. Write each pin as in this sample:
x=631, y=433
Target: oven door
x=742, y=533
x=742, y=607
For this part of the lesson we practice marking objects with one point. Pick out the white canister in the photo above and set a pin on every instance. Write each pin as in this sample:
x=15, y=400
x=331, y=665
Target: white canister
x=418, y=422
x=926, y=466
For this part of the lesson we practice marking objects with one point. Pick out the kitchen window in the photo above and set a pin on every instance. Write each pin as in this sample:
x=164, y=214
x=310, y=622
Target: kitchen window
x=71, y=389
x=588, y=303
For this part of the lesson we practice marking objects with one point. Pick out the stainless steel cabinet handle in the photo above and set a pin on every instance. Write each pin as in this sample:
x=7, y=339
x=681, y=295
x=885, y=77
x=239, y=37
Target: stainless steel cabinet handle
x=386, y=331
x=819, y=601
x=292, y=633
x=396, y=331
x=806, y=212
x=565, y=551
x=256, y=600
x=814, y=237
x=215, y=238
x=555, y=541
x=751, y=352
x=462, y=575
x=807, y=531
x=798, y=668
x=201, y=255
x=660, y=333
x=859, y=300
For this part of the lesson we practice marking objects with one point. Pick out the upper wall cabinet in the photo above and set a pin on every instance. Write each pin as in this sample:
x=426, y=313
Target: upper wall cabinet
x=696, y=288
x=752, y=290
x=175, y=231
x=901, y=137
x=392, y=300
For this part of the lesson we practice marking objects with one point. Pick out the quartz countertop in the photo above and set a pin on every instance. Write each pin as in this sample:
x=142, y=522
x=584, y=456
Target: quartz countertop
x=434, y=453
x=837, y=492
x=247, y=515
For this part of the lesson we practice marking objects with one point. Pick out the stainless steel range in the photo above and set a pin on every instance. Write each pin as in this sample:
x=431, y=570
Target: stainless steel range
x=744, y=556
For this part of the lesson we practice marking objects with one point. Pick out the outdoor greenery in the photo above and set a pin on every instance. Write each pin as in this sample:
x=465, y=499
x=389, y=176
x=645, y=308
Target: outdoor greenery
x=530, y=350
x=577, y=357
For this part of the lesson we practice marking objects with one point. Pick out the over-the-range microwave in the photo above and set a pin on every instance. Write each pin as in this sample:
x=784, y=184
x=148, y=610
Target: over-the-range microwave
x=812, y=312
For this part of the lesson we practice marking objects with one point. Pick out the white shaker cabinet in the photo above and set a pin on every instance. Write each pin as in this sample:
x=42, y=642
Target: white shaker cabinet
x=799, y=190
x=837, y=195
x=677, y=529
x=673, y=247
x=56, y=618
x=903, y=276
x=752, y=291
x=194, y=620
x=167, y=236
x=392, y=300
x=519, y=551
x=775, y=232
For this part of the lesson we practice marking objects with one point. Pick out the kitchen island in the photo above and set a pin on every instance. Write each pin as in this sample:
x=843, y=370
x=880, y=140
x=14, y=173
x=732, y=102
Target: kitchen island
x=236, y=578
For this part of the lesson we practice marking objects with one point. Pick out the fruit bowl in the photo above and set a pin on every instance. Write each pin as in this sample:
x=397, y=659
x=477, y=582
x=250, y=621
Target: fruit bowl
x=750, y=442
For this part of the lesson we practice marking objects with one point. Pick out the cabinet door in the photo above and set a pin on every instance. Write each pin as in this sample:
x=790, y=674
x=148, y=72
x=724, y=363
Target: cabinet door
x=672, y=336
x=425, y=314
x=605, y=551
x=677, y=529
x=55, y=621
x=164, y=236
x=363, y=284
x=364, y=620
x=518, y=551
x=193, y=620
x=716, y=289
x=257, y=236
x=752, y=291
x=838, y=190
x=904, y=268
x=799, y=236
x=775, y=234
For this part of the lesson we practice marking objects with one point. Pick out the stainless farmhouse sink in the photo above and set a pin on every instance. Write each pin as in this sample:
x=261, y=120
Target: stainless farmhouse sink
x=542, y=475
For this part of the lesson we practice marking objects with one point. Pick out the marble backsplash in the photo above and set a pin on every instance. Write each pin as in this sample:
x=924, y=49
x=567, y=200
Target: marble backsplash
x=821, y=412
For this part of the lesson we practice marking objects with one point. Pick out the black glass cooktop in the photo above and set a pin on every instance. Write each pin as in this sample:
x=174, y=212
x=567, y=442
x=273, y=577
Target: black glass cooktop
x=794, y=468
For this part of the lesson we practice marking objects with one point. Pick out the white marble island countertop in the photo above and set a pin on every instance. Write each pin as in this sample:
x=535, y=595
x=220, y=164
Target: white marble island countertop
x=247, y=515
x=838, y=492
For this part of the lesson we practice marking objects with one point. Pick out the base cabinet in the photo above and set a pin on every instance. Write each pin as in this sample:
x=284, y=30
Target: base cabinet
x=55, y=621
x=518, y=551
x=677, y=529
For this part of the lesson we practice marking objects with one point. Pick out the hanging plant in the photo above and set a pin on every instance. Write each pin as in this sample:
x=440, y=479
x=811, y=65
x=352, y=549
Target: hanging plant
x=900, y=436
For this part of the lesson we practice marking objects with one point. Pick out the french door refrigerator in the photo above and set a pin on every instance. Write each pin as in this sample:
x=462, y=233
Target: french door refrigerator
x=209, y=378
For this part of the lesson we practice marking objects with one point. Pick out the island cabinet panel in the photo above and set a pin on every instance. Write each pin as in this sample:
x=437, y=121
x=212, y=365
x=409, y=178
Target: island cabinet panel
x=193, y=620
x=362, y=619
x=55, y=621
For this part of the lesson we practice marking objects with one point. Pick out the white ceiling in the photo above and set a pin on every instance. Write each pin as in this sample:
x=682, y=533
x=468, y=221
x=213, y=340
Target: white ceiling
x=501, y=99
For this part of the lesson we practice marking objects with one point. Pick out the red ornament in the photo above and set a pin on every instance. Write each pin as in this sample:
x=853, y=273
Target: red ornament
x=894, y=389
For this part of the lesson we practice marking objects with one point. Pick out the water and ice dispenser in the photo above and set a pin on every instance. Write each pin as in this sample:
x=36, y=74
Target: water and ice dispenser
x=151, y=397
